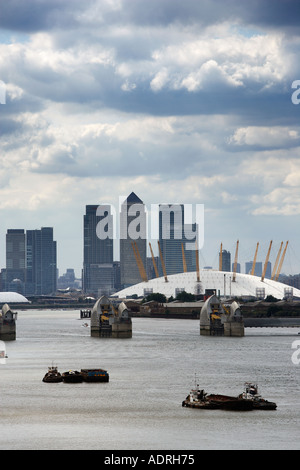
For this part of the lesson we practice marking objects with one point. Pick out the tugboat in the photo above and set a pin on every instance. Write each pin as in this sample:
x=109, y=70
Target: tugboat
x=251, y=393
x=95, y=375
x=72, y=376
x=52, y=376
x=199, y=399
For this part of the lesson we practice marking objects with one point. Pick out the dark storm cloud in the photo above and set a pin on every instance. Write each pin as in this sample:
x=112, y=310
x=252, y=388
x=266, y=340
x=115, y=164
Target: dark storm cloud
x=275, y=13
x=38, y=15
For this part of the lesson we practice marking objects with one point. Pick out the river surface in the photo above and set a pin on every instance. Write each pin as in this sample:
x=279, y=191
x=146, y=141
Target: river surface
x=150, y=374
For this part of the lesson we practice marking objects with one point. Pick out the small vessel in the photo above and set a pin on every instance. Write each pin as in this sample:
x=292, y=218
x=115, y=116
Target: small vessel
x=72, y=376
x=251, y=393
x=52, y=376
x=95, y=375
x=199, y=399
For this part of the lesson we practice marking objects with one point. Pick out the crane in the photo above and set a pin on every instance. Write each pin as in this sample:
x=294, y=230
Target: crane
x=235, y=261
x=162, y=262
x=281, y=261
x=154, y=264
x=183, y=259
x=266, y=262
x=276, y=262
x=254, y=261
x=139, y=262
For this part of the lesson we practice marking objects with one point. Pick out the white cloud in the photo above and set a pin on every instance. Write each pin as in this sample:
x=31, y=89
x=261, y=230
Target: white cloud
x=280, y=202
x=264, y=136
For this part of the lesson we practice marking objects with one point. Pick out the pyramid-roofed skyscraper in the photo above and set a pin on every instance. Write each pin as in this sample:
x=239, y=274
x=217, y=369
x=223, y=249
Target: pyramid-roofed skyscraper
x=132, y=230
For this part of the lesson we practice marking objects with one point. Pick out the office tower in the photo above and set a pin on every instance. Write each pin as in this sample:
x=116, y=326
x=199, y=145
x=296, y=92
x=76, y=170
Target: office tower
x=14, y=275
x=41, y=262
x=132, y=230
x=258, y=268
x=98, y=271
x=238, y=267
x=173, y=232
x=226, y=260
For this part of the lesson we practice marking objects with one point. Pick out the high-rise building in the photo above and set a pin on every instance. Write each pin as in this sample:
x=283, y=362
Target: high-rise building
x=173, y=233
x=132, y=230
x=258, y=270
x=14, y=275
x=31, y=266
x=41, y=262
x=238, y=267
x=98, y=270
x=226, y=260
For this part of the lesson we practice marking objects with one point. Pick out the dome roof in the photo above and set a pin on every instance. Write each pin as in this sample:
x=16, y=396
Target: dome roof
x=221, y=282
x=12, y=297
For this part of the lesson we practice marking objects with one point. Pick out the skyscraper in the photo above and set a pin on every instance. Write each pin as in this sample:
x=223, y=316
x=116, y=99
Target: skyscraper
x=258, y=268
x=41, y=262
x=132, y=230
x=173, y=233
x=14, y=275
x=226, y=260
x=98, y=271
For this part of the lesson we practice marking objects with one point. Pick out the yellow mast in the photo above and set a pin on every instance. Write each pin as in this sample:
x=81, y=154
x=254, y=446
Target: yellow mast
x=154, y=264
x=220, y=258
x=266, y=262
x=235, y=261
x=183, y=259
x=254, y=261
x=162, y=262
x=281, y=262
x=276, y=262
x=197, y=263
x=139, y=262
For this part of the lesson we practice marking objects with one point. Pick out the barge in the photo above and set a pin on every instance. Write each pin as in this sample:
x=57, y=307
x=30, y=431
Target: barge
x=95, y=375
x=248, y=400
x=72, y=376
x=199, y=399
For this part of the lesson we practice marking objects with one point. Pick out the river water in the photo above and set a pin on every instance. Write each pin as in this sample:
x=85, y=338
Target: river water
x=150, y=375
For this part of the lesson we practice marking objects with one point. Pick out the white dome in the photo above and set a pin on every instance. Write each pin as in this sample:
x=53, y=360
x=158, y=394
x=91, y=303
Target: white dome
x=12, y=297
x=220, y=281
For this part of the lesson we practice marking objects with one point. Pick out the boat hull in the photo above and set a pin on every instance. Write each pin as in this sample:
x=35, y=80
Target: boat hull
x=52, y=379
x=264, y=405
x=72, y=377
x=231, y=403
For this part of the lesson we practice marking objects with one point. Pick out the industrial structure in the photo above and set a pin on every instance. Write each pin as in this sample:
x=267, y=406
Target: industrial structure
x=110, y=322
x=221, y=320
x=207, y=281
x=7, y=324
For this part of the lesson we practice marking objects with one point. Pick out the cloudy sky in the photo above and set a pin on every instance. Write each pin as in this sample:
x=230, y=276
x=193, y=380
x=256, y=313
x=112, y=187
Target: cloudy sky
x=177, y=101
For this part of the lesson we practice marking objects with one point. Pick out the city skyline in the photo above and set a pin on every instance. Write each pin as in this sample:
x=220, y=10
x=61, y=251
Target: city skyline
x=105, y=252
x=188, y=103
